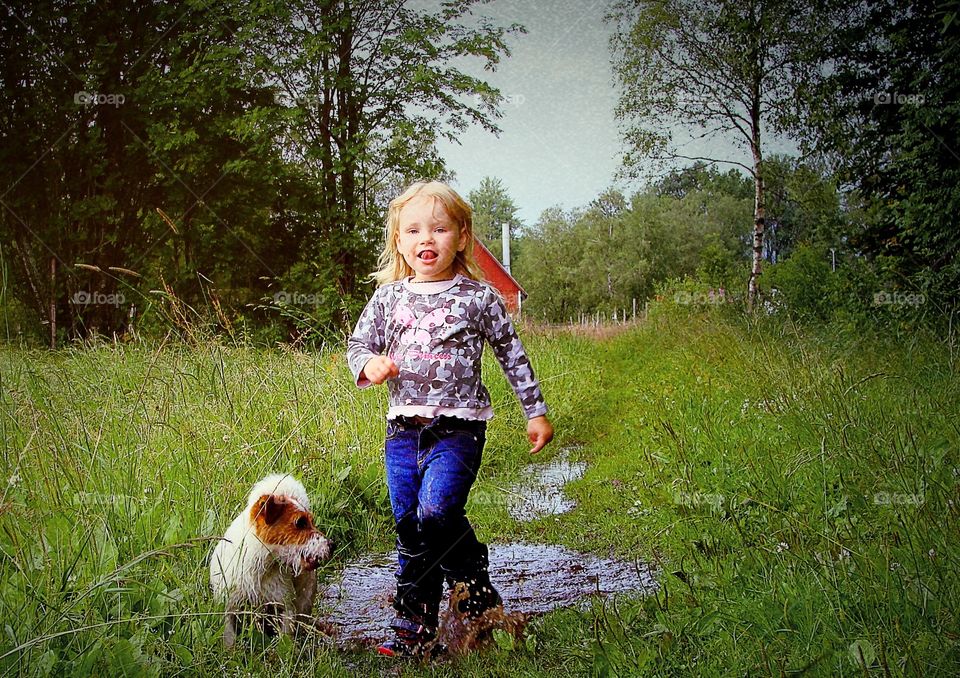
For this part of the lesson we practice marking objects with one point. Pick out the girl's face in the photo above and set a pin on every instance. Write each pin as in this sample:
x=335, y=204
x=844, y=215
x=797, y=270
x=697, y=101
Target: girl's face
x=428, y=240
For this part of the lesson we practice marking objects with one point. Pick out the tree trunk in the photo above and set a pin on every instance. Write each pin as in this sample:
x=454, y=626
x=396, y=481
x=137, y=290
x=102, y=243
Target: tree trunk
x=29, y=273
x=53, y=302
x=759, y=212
x=759, y=220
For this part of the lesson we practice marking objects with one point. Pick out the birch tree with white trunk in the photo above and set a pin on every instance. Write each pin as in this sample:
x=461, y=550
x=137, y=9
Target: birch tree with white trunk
x=730, y=70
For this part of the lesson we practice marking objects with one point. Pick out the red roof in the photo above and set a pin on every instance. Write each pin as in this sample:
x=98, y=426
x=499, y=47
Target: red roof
x=498, y=276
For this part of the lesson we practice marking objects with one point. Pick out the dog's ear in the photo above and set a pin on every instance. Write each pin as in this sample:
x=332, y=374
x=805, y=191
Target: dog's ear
x=270, y=507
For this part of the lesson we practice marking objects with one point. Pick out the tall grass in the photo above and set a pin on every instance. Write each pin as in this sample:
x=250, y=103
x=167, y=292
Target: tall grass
x=121, y=464
x=798, y=490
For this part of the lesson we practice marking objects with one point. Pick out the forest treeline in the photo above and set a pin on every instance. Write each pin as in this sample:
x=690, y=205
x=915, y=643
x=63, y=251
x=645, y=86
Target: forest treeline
x=165, y=164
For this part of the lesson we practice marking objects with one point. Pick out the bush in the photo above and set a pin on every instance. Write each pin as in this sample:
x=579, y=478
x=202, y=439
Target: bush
x=804, y=285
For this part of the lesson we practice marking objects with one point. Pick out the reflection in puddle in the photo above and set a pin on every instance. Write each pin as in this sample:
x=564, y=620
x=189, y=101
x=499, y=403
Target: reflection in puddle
x=532, y=578
x=540, y=491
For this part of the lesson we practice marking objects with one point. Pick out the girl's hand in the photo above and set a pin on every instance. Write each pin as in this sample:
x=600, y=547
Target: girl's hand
x=540, y=432
x=380, y=368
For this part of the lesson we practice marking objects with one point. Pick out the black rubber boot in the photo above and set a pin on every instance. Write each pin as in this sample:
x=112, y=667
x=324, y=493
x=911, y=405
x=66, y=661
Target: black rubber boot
x=414, y=633
x=474, y=573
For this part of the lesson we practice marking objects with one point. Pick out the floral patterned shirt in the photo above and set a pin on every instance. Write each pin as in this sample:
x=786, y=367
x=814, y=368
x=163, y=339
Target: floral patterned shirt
x=435, y=332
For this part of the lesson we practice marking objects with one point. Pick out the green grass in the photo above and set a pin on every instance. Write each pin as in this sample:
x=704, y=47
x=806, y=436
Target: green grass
x=800, y=493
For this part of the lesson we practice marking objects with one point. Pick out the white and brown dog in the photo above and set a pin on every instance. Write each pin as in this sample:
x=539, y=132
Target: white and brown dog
x=266, y=561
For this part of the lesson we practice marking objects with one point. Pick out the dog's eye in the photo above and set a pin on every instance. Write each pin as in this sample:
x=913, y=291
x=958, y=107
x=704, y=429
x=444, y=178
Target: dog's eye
x=301, y=523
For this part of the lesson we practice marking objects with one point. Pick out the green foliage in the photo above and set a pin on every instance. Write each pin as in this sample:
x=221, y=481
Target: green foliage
x=804, y=284
x=492, y=209
x=861, y=295
x=603, y=257
x=704, y=177
x=803, y=206
x=796, y=489
x=886, y=116
x=221, y=149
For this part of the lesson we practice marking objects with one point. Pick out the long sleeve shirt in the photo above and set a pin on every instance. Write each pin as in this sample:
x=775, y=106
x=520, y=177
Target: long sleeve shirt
x=435, y=332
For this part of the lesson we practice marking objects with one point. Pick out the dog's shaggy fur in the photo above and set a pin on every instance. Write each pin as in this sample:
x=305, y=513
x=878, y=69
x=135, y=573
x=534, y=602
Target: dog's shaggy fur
x=266, y=561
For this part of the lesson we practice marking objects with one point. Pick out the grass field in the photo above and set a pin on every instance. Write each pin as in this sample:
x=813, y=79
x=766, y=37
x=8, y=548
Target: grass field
x=799, y=492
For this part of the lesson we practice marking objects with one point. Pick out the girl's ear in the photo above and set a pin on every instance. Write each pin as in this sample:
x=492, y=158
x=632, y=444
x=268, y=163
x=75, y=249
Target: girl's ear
x=462, y=245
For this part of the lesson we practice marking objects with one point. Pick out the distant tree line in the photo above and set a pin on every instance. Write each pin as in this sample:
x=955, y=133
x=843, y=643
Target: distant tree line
x=691, y=223
x=168, y=162
x=232, y=158
x=869, y=90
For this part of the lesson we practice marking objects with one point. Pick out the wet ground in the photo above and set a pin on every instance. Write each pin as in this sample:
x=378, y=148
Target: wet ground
x=532, y=578
x=540, y=490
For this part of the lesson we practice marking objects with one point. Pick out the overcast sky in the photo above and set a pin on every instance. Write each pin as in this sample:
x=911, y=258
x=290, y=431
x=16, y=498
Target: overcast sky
x=559, y=142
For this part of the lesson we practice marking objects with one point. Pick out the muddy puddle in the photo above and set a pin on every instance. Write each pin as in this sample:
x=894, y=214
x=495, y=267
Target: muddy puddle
x=532, y=578
x=540, y=493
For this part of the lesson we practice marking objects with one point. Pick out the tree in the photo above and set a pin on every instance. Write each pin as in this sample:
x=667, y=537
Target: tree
x=803, y=207
x=704, y=177
x=601, y=258
x=886, y=118
x=367, y=85
x=547, y=266
x=109, y=113
x=269, y=134
x=492, y=210
x=724, y=67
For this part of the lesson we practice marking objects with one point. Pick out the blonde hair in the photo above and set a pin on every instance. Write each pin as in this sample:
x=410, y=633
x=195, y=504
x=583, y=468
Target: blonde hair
x=391, y=265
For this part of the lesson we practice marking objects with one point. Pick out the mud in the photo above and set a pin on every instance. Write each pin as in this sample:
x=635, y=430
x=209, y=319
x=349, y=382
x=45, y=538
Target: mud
x=540, y=491
x=532, y=579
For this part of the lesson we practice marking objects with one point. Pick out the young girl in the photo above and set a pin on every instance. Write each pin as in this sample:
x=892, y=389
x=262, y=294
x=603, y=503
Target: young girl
x=423, y=334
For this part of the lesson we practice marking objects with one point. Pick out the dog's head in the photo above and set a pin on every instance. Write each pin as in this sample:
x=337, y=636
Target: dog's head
x=285, y=526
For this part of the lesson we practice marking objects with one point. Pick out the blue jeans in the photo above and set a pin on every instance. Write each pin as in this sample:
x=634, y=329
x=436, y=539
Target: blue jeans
x=430, y=470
